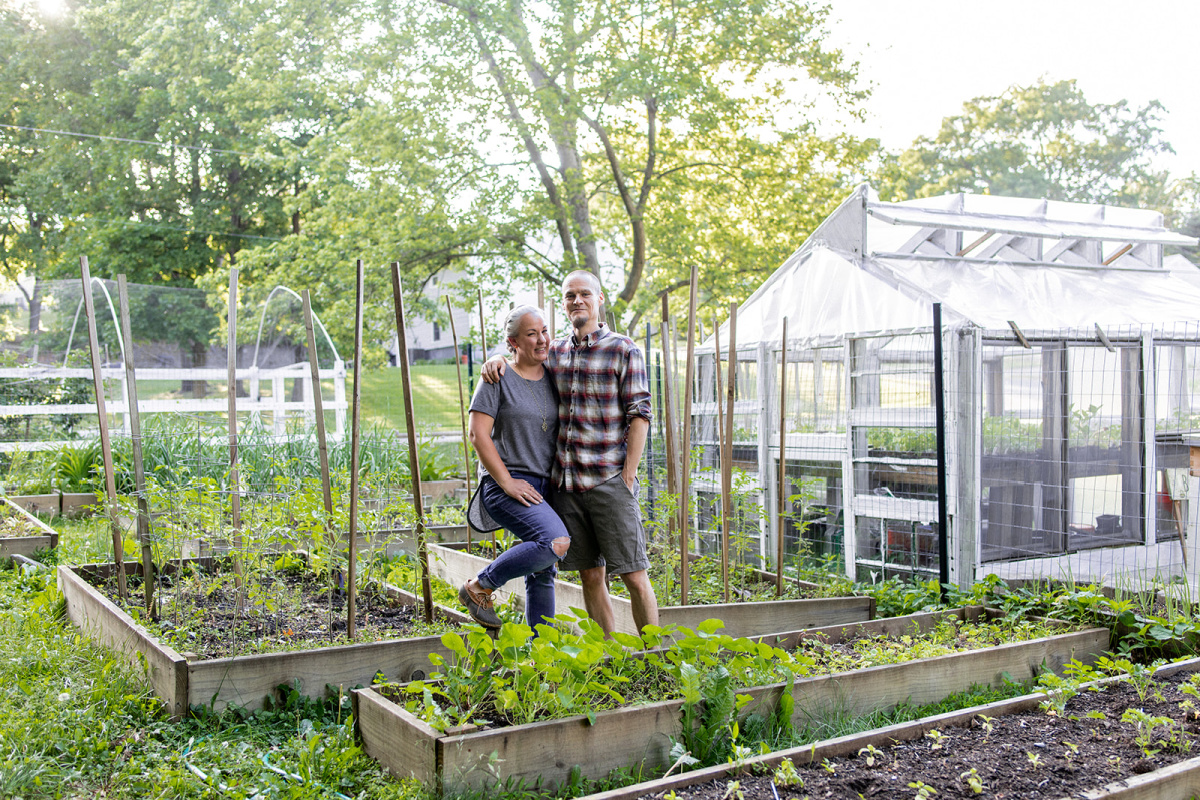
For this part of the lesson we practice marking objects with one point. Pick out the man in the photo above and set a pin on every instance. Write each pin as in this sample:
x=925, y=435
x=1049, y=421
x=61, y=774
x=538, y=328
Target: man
x=603, y=418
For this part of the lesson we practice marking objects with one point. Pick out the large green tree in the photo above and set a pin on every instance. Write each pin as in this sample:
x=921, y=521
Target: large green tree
x=603, y=104
x=1045, y=140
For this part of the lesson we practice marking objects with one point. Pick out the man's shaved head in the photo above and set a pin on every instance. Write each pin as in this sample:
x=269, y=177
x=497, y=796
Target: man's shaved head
x=584, y=273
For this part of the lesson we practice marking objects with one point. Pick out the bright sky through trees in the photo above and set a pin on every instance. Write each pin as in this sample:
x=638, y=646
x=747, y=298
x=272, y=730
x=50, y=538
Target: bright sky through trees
x=926, y=57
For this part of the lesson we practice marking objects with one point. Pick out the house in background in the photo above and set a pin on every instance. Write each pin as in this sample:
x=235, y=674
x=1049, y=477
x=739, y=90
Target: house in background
x=430, y=340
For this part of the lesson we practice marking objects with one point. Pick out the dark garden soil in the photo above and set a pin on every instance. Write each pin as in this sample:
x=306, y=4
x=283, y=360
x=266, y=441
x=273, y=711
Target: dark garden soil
x=201, y=616
x=1029, y=755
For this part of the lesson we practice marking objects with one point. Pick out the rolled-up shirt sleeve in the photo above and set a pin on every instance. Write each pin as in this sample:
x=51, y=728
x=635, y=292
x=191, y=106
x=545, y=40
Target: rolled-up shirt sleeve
x=635, y=390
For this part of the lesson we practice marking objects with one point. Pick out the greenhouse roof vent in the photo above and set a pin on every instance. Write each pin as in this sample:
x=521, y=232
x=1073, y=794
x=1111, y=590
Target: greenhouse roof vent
x=1019, y=230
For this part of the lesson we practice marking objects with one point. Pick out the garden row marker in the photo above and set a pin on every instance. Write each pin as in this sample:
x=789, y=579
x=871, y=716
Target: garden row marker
x=414, y=466
x=110, y=479
x=319, y=409
x=135, y=430
x=685, y=450
x=483, y=340
x=782, y=499
x=727, y=450
x=235, y=486
x=721, y=445
x=356, y=402
x=462, y=411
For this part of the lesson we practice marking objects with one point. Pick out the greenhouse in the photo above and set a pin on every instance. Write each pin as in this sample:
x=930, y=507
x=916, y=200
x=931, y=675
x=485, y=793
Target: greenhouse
x=1070, y=338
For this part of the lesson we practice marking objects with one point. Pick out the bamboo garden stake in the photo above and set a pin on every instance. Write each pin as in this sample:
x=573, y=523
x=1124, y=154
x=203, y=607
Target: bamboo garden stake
x=668, y=406
x=727, y=452
x=110, y=478
x=411, y=427
x=722, y=445
x=462, y=412
x=135, y=430
x=685, y=450
x=483, y=341
x=318, y=409
x=782, y=499
x=235, y=485
x=355, y=406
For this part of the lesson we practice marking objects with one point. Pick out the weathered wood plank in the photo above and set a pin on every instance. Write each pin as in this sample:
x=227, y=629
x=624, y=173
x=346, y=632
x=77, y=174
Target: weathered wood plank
x=247, y=680
x=929, y=680
x=1175, y=782
x=909, y=624
x=624, y=737
x=27, y=545
x=548, y=751
x=395, y=738
x=1143, y=787
x=741, y=619
x=37, y=503
x=110, y=626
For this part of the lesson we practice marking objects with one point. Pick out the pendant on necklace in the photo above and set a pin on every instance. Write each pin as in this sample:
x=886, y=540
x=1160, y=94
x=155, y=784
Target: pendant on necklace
x=545, y=427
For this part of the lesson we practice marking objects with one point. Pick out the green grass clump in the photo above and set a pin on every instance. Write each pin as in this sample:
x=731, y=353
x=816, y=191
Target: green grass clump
x=79, y=721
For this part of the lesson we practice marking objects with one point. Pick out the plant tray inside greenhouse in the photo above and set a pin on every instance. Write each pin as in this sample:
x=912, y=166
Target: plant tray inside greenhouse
x=454, y=565
x=1130, y=736
x=22, y=533
x=396, y=732
x=184, y=679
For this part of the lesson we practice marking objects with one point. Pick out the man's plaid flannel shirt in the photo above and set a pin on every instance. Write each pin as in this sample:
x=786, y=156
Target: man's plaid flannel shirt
x=601, y=387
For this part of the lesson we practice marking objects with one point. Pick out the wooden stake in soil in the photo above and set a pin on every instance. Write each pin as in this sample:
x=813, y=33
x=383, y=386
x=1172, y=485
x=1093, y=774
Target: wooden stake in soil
x=727, y=452
x=483, y=341
x=356, y=402
x=462, y=412
x=685, y=450
x=410, y=421
x=110, y=478
x=668, y=395
x=235, y=484
x=135, y=430
x=722, y=445
x=782, y=499
x=318, y=409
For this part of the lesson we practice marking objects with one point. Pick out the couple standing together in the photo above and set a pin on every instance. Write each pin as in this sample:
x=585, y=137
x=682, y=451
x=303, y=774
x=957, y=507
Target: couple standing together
x=560, y=433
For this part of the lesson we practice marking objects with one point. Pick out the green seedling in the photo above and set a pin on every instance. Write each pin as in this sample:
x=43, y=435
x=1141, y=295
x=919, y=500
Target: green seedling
x=937, y=737
x=924, y=790
x=870, y=753
x=973, y=781
x=786, y=775
x=1034, y=760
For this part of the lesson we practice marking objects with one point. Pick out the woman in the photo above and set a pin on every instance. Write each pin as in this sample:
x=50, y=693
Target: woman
x=514, y=429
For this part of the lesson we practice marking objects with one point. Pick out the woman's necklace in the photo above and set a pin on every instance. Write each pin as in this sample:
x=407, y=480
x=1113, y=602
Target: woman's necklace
x=536, y=397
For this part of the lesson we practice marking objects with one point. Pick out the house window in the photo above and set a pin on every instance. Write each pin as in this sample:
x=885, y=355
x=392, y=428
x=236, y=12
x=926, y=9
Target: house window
x=437, y=332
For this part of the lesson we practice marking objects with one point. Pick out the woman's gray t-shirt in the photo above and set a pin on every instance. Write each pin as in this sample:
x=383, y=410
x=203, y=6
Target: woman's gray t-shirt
x=525, y=431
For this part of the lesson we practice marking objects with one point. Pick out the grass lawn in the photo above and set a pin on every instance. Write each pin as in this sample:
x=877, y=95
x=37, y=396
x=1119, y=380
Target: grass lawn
x=435, y=397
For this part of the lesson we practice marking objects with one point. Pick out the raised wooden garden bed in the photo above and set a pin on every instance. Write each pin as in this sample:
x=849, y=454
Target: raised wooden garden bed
x=1173, y=782
x=240, y=680
x=454, y=565
x=628, y=737
x=25, y=534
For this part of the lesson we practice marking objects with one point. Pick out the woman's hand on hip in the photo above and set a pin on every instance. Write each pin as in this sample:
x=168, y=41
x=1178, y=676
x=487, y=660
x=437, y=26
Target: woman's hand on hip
x=522, y=491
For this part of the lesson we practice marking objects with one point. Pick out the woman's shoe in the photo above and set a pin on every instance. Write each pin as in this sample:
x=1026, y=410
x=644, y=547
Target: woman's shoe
x=479, y=605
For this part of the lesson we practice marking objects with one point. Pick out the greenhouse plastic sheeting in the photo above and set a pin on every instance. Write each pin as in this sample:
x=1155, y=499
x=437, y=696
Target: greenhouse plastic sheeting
x=828, y=294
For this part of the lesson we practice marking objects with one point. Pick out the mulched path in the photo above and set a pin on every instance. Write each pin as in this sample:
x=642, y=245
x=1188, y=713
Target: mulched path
x=1073, y=753
x=201, y=616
